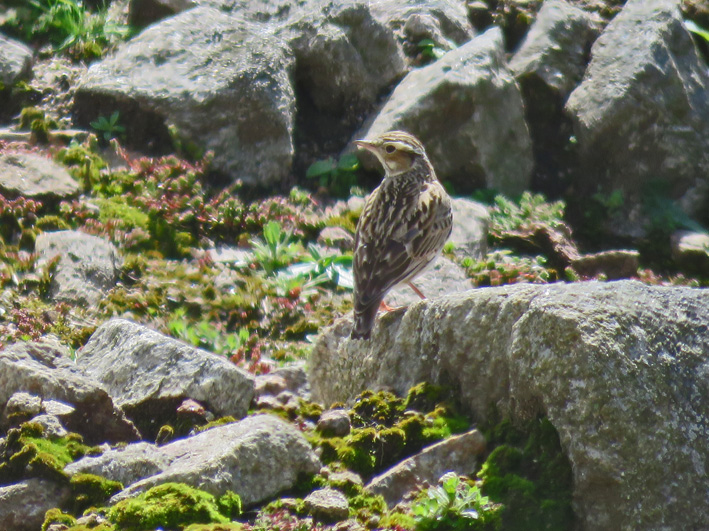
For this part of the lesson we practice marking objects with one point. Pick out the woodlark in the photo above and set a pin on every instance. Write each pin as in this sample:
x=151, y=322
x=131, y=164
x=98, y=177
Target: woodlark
x=403, y=226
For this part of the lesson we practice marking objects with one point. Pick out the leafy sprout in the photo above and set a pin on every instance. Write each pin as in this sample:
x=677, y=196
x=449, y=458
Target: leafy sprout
x=697, y=29
x=455, y=505
x=430, y=50
x=338, y=177
x=277, y=249
x=109, y=126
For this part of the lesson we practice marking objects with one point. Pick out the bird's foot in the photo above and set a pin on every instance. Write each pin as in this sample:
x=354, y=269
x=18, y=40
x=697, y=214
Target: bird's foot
x=416, y=290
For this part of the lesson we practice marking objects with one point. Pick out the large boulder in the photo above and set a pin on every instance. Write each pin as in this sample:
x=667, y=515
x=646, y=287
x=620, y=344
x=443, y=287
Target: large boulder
x=467, y=110
x=222, y=80
x=619, y=368
x=641, y=116
x=86, y=266
x=257, y=458
x=149, y=374
x=47, y=371
x=15, y=61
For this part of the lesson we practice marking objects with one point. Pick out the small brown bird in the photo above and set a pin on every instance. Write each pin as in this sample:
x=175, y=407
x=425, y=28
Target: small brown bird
x=402, y=229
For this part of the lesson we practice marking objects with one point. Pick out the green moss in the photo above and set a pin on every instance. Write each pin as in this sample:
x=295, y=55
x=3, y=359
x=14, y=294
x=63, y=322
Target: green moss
x=530, y=475
x=380, y=408
x=165, y=434
x=116, y=209
x=309, y=410
x=215, y=527
x=56, y=516
x=215, y=423
x=89, y=490
x=173, y=505
x=424, y=397
x=51, y=223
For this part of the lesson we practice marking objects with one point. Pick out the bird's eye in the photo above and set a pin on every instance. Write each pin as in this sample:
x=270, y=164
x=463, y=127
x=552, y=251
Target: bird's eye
x=389, y=149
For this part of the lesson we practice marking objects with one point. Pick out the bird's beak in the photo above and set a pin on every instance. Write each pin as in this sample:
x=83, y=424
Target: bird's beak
x=365, y=144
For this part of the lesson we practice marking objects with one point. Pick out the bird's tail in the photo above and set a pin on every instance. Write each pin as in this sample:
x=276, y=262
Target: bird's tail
x=364, y=321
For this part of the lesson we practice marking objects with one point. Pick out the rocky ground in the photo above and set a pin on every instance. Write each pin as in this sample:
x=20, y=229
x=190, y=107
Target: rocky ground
x=178, y=198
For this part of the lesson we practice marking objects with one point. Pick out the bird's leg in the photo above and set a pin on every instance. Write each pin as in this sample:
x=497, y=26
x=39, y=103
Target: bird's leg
x=416, y=290
x=385, y=307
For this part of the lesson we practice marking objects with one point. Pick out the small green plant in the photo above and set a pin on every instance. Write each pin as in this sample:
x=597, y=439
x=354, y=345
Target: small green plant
x=338, y=177
x=508, y=216
x=109, y=127
x=697, y=29
x=503, y=267
x=204, y=334
x=455, y=504
x=429, y=49
x=276, y=249
x=66, y=24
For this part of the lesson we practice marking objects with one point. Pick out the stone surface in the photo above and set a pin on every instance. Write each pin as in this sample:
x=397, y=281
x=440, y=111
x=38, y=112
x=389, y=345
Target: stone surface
x=613, y=265
x=47, y=370
x=144, y=12
x=334, y=423
x=15, y=61
x=195, y=72
x=556, y=49
x=34, y=176
x=641, y=115
x=22, y=506
x=148, y=373
x=457, y=454
x=127, y=465
x=619, y=368
x=467, y=110
x=23, y=404
x=444, y=277
x=87, y=267
x=691, y=251
x=471, y=221
x=257, y=458
x=327, y=504
x=53, y=427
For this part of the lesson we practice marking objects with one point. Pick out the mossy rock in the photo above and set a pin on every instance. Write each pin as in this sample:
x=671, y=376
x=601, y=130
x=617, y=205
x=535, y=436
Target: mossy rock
x=173, y=505
x=530, y=475
x=89, y=490
x=56, y=516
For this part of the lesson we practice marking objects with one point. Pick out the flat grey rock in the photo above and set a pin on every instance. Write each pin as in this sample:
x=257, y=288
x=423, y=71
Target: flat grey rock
x=619, y=368
x=36, y=177
x=458, y=454
x=143, y=369
x=471, y=222
x=23, y=505
x=443, y=278
x=128, y=464
x=467, y=110
x=49, y=372
x=87, y=266
x=257, y=458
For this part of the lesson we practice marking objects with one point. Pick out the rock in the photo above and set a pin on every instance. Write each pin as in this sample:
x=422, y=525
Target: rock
x=22, y=506
x=334, y=423
x=257, y=458
x=328, y=505
x=457, y=454
x=49, y=372
x=87, y=267
x=269, y=384
x=619, y=369
x=128, y=464
x=549, y=64
x=336, y=237
x=185, y=71
x=614, y=264
x=690, y=250
x=52, y=426
x=471, y=221
x=467, y=110
x=35, y=177
x=57, y=408
x=555, y=51
x=20, y=407
x=144, y=12
x=641, y=115
x=149, y=374
x=290, y=378
x=15, y=61
x=444, y=277
x=15, y=66
x=443, y=21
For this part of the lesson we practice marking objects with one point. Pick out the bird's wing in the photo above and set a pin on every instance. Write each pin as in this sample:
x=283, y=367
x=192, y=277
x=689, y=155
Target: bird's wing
x=398, y=237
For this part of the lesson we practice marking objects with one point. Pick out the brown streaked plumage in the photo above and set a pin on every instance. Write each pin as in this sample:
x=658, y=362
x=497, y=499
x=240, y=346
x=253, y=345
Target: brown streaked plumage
x=403, y=227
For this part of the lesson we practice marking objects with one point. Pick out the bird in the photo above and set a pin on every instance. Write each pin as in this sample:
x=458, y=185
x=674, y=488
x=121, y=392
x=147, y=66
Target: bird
x=403, y=227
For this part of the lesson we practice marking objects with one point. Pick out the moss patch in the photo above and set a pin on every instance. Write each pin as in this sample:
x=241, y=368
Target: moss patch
x=529, y=474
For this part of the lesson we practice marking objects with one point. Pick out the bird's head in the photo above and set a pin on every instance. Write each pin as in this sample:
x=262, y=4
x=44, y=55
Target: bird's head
x=396, y=150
